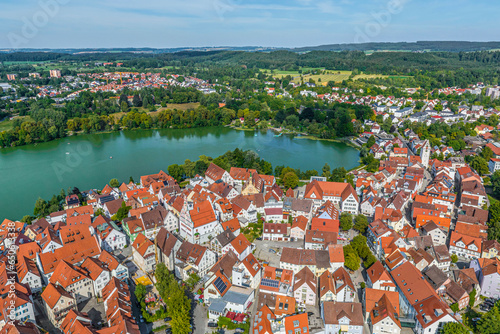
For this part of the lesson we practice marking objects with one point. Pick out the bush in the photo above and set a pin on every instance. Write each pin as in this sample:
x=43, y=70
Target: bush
x=454, y=258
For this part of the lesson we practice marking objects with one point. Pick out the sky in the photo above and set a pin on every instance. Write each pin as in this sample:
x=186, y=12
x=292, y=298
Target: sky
x=269, y=23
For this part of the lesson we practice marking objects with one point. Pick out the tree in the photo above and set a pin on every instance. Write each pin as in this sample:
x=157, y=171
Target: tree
x=454, y=258
x=140, y=292
x=370, y=142
x=114, y=183
x=124, y=106
x=291, y=180
x=370, y=260
x=495, y=181
x=345, y=221
x=192, y=280
x=490, y=322
x=472, y=298
x=178, y=304
x=41, y=208
x=480, y=165
x=27, y=219
x=487, y=153
x=176, y=172
x=351, y=260
x=136, y=101
x=122, y=212
x=326, y=171
x=454, y=307
x=454, y=328
x=361, y=223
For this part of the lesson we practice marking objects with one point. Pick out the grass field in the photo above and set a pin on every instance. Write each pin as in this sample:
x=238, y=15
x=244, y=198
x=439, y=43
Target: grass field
x=7, y=124
x=178, y=106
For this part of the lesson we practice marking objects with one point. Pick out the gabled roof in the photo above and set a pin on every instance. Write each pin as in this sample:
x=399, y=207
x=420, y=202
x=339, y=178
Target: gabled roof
x=166, y=241
x=141, y=244
x=305, y=276
x=377, y=272
x=342, y=279
x=53, y=293
x=67, y=274
x=334, y=311
x=384, y=308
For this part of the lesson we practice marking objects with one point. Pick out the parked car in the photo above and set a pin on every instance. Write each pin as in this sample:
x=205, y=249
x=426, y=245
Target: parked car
x=212, y=324
x=484, y=308
x=239, y=330
x=167, y=319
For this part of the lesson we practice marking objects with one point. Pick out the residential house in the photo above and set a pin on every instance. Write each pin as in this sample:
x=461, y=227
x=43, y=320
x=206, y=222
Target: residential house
x=342, y=317
x=58, y=302
x=305, y=287
x=143, y=254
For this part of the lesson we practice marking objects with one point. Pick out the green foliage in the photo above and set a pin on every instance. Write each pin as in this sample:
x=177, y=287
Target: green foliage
x=140, y=292
x=454, y=307
x=480, y=165
x=122, y=212
x=454, y=258
x=351, y=259
x=487, y=153
x=472, y=297
x=453, y=328
x=27, y=219
x=490, y=322
x=345, y=221
x=114, y=183
x=361, y=223
x=370, y=142
x=176, y=172
x=290, y=180
x=495, y=182
x=193, y=280
x=173, y=294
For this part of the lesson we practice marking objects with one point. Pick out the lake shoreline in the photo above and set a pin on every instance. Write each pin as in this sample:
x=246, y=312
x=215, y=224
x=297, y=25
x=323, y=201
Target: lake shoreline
x=90, y=160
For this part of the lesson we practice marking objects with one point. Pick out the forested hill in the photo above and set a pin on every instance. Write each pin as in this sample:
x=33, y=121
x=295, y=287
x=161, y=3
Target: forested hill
x=379, y=62
x=448, y=46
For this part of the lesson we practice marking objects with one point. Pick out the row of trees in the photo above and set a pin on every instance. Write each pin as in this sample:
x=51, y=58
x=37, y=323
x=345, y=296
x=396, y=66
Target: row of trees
x=174, y=296
x=356, y=250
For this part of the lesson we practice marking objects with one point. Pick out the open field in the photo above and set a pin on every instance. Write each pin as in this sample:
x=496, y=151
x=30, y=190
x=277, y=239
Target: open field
x=7, y=124
x=178, y=106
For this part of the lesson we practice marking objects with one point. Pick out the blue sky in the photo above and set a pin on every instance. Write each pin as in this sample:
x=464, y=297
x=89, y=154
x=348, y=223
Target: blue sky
x=292, y=23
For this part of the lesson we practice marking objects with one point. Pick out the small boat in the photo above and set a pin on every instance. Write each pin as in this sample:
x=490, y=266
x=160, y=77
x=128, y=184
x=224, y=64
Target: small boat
x=111, y=157
x=67, y=152
x=255, y=135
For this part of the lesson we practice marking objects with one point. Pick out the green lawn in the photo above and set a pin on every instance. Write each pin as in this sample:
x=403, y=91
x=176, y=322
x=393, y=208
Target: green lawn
x=7, y=125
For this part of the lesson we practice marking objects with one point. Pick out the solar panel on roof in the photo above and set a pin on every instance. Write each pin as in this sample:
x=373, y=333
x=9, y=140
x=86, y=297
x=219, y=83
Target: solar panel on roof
x=220, y=285
x=269, y=282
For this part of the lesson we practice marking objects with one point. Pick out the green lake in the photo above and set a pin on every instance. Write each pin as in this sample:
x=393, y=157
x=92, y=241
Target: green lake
x=84, y=161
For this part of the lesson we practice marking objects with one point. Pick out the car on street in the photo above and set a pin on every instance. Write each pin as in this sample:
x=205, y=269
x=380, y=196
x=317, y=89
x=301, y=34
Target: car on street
x=212, y=324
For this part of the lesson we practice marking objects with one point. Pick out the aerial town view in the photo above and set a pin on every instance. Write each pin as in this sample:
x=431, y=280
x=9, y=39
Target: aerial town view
x=230, y=167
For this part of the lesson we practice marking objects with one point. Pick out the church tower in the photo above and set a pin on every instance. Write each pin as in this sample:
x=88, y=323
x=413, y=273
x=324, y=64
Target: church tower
x=425, y=153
